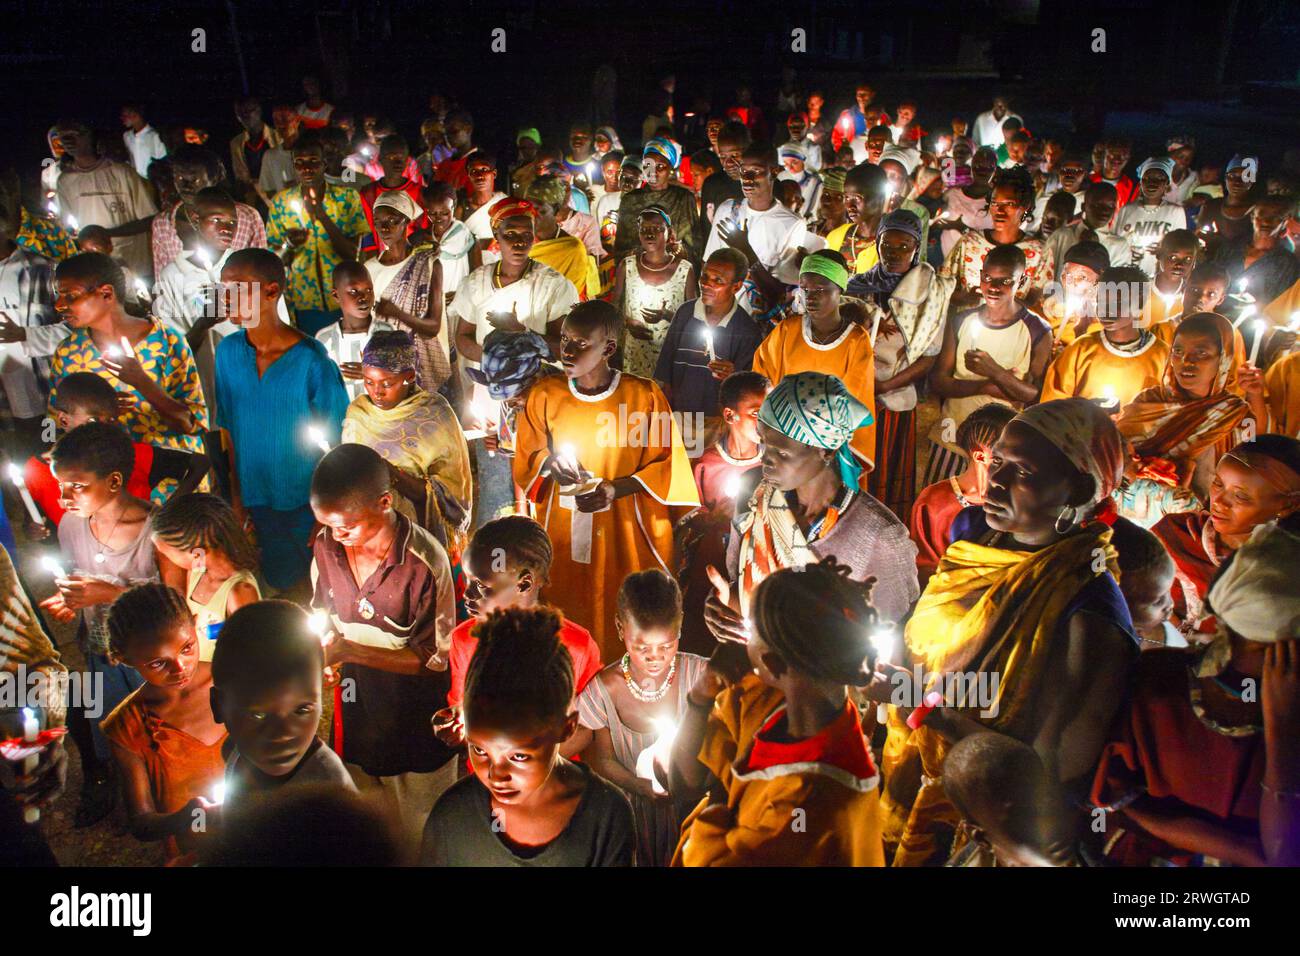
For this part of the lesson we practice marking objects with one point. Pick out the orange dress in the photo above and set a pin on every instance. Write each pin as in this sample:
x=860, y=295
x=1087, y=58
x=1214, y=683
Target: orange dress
x=180, y=767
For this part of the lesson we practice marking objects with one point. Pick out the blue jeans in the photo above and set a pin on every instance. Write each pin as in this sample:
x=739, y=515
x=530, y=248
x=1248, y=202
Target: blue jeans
x=496, y=485
x=118, y=681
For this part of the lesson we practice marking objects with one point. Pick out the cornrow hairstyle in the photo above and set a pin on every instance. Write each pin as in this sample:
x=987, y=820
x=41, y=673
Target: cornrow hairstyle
x=146, y=610
x=87, y=391
x=650, y=599
x=739, y=384
x=265, y=645
x=201, y=520
x=521, y=541
x=819, y=620
x=520, y=665
x=1019, y=179
x=100, y=447
x=984, y=426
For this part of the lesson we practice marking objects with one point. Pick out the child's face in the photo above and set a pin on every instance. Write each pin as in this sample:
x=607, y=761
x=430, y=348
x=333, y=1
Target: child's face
x=1154, y=185
x=386, y=389
x=353, y=523
x=998, y=283
x=584, y=348
x=651, y=649
x=512, y=757
x=1204, y=294
x=355, y=292
x=217, y=223
x=1175, y=261
x=272, y=727
x=492, y=583
x=742, y=421
x=68, y=417
x=393, y=160
x=1149, y=600
x=441, y=216
x=609, y=170
x=82, y=492
x=168, y=659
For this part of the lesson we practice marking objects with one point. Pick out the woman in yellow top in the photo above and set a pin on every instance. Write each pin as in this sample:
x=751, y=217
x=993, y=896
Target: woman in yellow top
x=865, y=188
x=826, y=340
x=1119, y=360
x=554, y=247
x=793, y=782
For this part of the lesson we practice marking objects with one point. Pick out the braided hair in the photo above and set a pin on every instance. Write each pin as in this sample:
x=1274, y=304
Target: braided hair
x=1019, y=179
x=521, y=665
x=650, y=599
x=201, y=520
x=819, y=620
x=520, y=540
x=145, y=610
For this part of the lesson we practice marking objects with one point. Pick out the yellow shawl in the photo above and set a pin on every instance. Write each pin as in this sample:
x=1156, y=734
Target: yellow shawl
x=422, y=436
x=986, y=610
x=568, y=256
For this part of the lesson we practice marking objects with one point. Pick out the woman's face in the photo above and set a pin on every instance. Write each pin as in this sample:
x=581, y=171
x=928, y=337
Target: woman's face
x=386, y=389
x=656, y=171
x=983, y=165
x=1194, y=359
x=1005, y=208
x=169, y=659
x=82, y=492
x=515, y=236
x=1030, y=482
x=831, y=205
x=511, y=756
x=651, y=649
x=653, y=233
x=390, y=226
x=897, y=249
x=790, y=464
x=1240, y=498
x=821, y=295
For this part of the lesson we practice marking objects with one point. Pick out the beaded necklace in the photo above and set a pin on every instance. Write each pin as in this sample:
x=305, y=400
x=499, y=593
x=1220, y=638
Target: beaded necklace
x=647, y=697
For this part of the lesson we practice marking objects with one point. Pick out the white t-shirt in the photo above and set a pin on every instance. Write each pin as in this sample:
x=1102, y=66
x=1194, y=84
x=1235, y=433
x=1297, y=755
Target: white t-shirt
x=1144, y=227
x=347, y=347
x=381, y=275
x=539, y=298
x=19, y=301
x=988, y=128
x=453, y=253
x=111, y=194
x=480, y=220
x=143, y=148
x=775, y=235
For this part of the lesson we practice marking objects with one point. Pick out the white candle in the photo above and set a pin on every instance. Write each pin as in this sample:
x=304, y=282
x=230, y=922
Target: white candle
x=731, y=487
x=1109, y=399
x=219, y=792
x=487, y=412
x=141, y=290
x=1294, y=325
x=54, y=567
x=71, y=220
x=1246, y=312
x=1261, y=327
x=319, y=622
x=885, y=643
x=316, y=435
x=976, y=326
x=31, y=729
x=1242, y=284
x=708, y=343
x=661, y=750
x=16, y=476
x=569, y=457
x=296, y=206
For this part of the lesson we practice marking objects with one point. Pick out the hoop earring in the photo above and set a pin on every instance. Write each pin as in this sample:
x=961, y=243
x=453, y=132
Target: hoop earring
x=1067, y=518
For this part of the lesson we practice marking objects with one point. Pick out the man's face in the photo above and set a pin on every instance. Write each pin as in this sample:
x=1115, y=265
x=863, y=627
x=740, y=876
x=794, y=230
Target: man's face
x=756, y=180
x=249, y=115
x=189, y=179
x=730, y=155
x=1072, y=173
x=877, y=140
x=718, y=287
x=131, y=118
x=393, y=159
x=580, y=141
x=76, y=141
x=246, y=298
x=1268, y=218
x=309, y=167
x=797, y=126
x=864, y=94
x=353, y=523
x=459, y=133
x=1052, y=220
x=1000, y=107
x=1099, y=207
x=217, y=224
x=310, y=87
x=998, y=283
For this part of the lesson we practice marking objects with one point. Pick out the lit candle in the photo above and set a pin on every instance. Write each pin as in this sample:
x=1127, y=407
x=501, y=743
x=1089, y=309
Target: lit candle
x=731, y=487
x=16, y=476
x=296, y=206
x=71, y=220
x=708, y=343
x=1294, y=325
x=661, y=750
x=1246, y=312
x=1242, y=284
x=1261, y=327
x=486, y=411
x=569, y=457
x=54, y=567
x=31, y=730
x=219, y=792
x=1109, y=400
x=319, y=622
x=885, y=643
x=316, y=435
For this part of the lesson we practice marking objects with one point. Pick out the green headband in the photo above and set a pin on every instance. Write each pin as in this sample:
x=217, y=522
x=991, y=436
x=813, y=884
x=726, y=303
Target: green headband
x=829, y=268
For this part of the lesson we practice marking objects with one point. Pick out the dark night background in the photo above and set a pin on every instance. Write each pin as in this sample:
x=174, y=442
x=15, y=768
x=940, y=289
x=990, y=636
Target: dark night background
x=1225, y=71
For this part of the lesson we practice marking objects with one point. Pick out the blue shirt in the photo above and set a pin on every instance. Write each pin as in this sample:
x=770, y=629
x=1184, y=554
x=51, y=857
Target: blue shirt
x=268, y=417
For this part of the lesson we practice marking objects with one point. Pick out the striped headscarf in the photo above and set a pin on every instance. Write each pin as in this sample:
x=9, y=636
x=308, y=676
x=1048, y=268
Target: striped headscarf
x=818, y=410
x=664, y=147
x=508, y=208
x=833, y=179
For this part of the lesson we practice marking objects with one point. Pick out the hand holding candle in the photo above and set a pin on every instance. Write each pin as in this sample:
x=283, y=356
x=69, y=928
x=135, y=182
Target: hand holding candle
x=1261, y=329
x=708, y=342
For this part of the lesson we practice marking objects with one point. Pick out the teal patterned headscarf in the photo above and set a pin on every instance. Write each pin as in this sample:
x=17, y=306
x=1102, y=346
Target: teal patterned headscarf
x=818, y=410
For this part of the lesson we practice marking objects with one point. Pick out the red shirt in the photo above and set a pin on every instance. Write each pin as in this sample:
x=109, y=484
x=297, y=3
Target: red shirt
x=582, y=648
x=1126, y=189
x=44, y=487
x=840, y=743
x=932, y=515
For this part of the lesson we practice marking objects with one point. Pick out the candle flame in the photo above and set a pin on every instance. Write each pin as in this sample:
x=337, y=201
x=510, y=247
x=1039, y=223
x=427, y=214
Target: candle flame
x=53, y=566
x=316, y=435
x=732, y=486
x=15, y=474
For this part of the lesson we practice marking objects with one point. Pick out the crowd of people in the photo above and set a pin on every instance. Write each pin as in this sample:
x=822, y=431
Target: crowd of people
x=782, y=487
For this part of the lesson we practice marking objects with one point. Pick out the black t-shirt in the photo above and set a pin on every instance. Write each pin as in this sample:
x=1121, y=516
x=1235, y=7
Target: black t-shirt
x=459, y=830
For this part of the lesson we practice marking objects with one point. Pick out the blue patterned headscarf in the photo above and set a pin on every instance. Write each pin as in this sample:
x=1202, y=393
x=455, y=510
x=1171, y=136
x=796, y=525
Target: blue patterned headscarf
x=818, y=410
x=665, y=148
